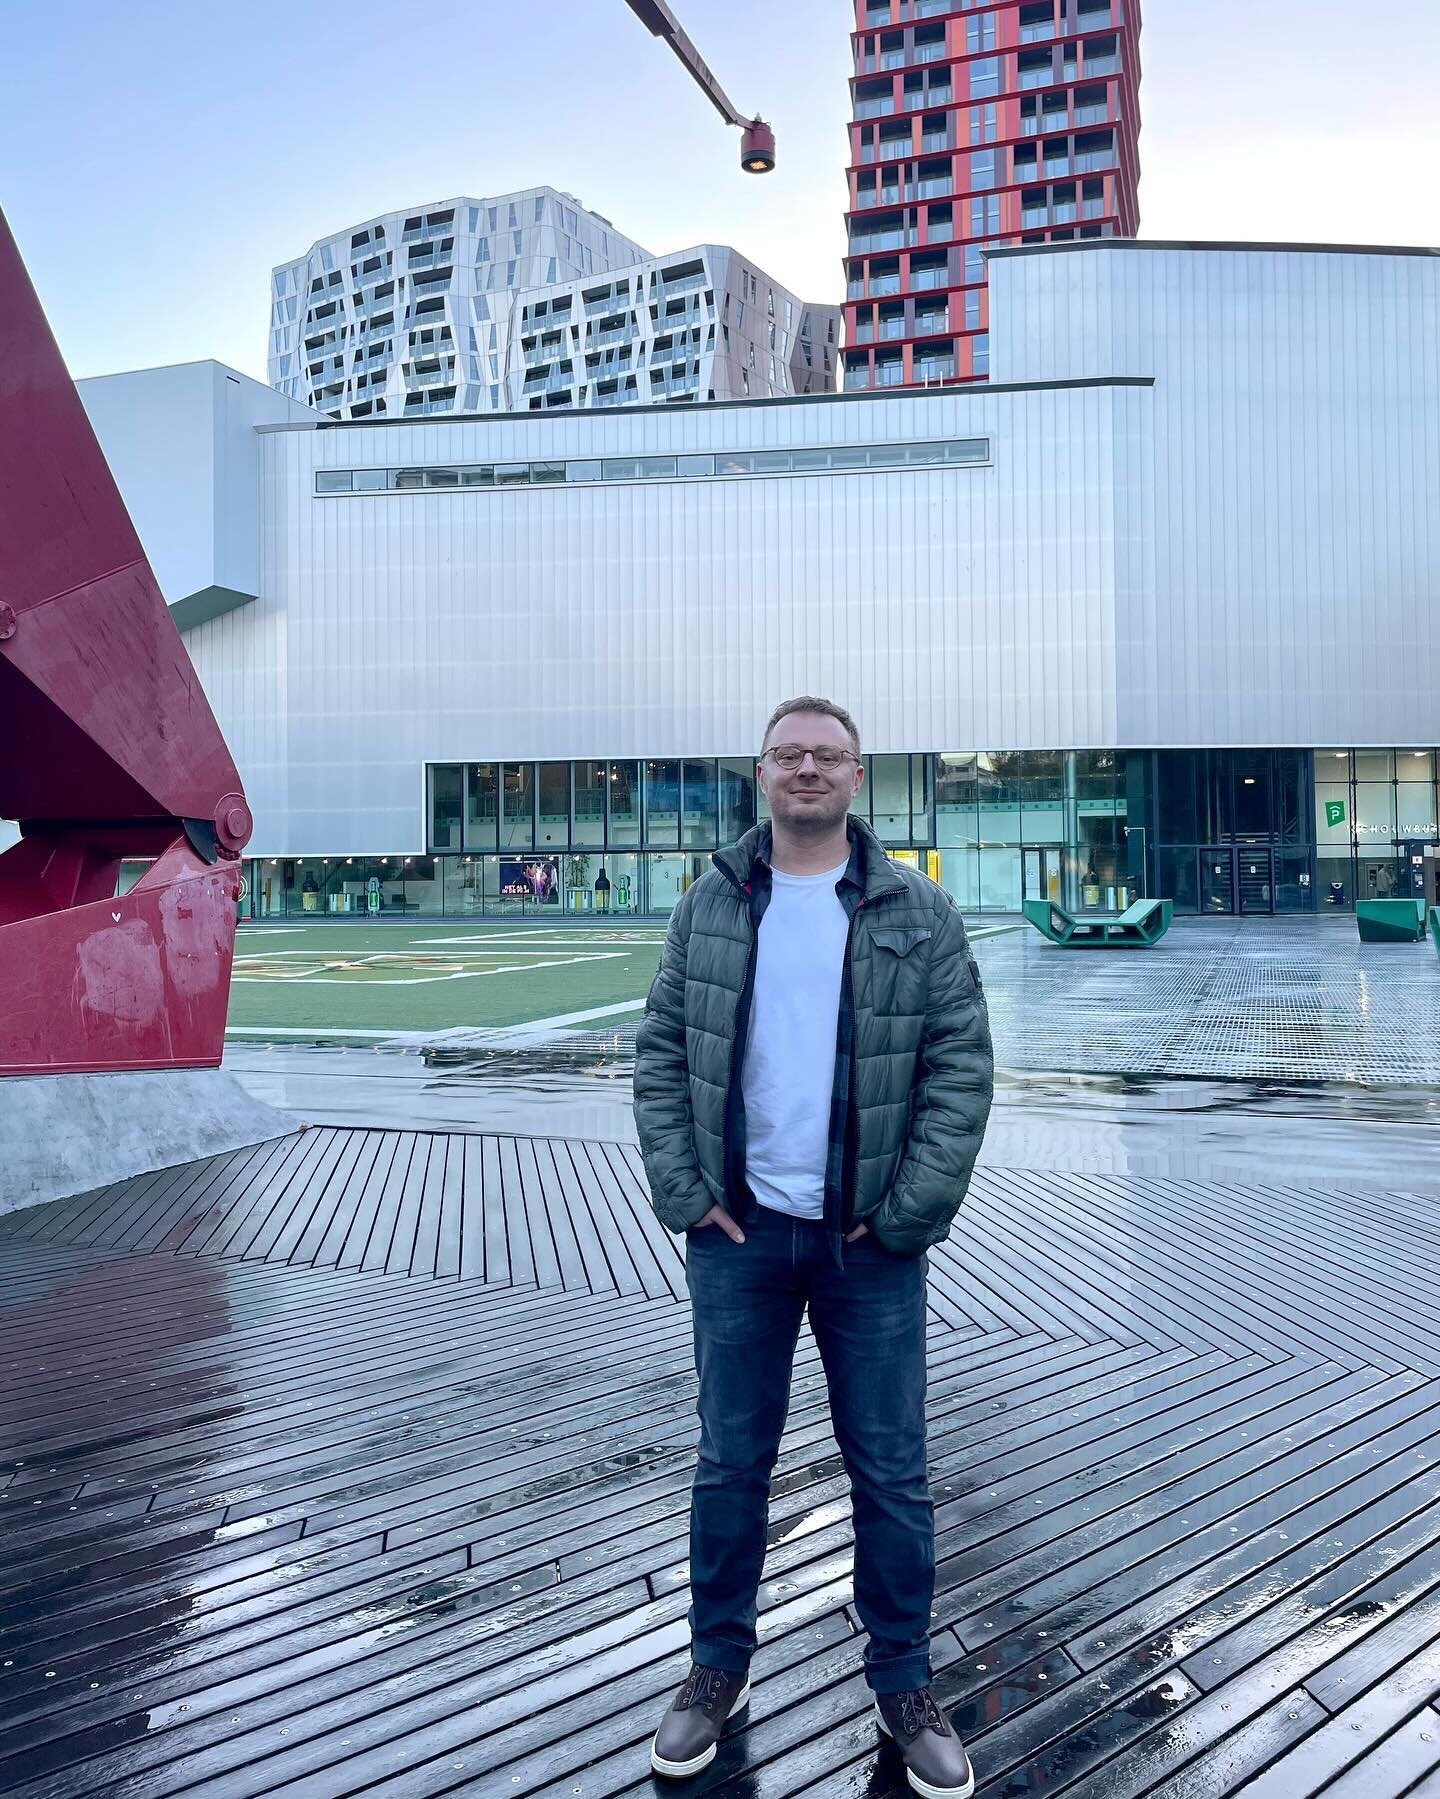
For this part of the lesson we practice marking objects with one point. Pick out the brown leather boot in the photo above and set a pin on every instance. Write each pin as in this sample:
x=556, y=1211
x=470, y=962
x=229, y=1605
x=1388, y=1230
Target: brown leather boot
x=936, y=1764
x=686, y=1740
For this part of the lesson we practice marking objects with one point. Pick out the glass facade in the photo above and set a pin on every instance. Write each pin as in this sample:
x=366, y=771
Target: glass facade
x=1218, y=831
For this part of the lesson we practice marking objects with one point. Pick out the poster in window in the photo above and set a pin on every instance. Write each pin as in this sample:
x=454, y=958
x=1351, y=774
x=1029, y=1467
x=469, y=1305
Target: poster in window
x=530, y=877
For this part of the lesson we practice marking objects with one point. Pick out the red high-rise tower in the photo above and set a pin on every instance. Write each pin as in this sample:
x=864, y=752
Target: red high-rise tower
x=976, y=123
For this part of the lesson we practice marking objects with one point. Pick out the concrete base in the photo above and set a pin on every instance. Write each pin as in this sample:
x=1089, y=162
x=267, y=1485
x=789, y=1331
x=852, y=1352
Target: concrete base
x=69, y=1133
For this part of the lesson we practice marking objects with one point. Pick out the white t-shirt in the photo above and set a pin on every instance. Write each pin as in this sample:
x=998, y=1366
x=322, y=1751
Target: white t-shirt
x=789, y=1071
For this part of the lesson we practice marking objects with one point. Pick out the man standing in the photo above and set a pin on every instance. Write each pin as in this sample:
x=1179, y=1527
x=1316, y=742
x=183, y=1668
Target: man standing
x=812, y=1081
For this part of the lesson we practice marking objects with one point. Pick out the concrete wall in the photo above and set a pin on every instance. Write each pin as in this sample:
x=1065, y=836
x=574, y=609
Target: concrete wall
x=181, y=444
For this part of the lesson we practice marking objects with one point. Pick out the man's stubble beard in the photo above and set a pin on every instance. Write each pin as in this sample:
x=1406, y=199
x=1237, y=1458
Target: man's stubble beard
x=811, y=821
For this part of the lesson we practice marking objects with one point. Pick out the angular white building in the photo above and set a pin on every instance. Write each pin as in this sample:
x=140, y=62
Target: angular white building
x=530, y=302
x=701, y=324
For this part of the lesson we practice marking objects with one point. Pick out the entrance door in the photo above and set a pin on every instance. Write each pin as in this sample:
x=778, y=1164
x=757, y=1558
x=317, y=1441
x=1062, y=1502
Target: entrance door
x=1042, y=873
x=1217, y=880
x=1257, y=880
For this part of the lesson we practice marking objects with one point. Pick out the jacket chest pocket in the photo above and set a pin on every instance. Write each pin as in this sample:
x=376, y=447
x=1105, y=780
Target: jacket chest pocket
x=899, y=967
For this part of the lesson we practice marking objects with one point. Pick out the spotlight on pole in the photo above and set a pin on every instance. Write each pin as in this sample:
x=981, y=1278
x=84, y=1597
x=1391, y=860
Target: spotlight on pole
x=757, y=143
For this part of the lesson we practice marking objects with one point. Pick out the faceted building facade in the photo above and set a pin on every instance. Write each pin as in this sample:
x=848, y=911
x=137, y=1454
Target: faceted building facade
x=529, y=302
x=702, y=324
x=410, y=313
x=976, y=123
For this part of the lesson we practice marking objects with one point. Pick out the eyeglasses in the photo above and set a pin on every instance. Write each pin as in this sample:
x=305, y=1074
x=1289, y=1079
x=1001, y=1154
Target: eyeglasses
x=791, y=755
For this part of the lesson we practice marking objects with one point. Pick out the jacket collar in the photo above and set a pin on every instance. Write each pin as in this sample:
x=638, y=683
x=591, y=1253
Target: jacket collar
x=870, y=869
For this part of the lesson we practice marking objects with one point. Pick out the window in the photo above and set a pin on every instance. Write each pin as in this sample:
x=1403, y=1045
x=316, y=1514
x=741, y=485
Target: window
x=623, y=780
x=517, y=814
x=446, y=786
x=985, y=76
x=480, y=806
x=690, y=466
x=699, y=805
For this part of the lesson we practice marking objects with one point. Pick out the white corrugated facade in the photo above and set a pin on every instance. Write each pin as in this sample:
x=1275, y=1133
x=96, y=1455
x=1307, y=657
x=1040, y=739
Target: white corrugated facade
x=1209, y=517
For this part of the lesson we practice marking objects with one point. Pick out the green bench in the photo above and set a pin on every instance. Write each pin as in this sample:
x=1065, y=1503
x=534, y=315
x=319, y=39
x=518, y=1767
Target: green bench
x=1137, y=927
x=1390, y=920
x=1435, y=927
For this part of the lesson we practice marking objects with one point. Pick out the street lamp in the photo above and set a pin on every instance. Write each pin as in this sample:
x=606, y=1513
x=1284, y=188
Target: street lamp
x=757, y=142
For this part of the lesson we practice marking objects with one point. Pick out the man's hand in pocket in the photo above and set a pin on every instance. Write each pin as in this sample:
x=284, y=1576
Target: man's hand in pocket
x=717, y=1215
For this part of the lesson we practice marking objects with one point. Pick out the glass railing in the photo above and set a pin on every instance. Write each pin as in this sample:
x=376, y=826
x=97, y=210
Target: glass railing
x=935, y=140
x=936, y=368
x=1094, y=159
x=1028, y=78
x=889, y=374
x=937, y=188
x=1102, y=65
x=1054, y=166
x=928, y=53
x=885, y=284
x=892, y=328
x=1091, y=115
x=917, y=99
x=857, y=377
x=1032, y=34
x=923, y=279
x=874, y=109
x=864, y=334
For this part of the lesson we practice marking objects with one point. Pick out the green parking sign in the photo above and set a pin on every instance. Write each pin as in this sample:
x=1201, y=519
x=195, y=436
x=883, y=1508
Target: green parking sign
x=1334, y=812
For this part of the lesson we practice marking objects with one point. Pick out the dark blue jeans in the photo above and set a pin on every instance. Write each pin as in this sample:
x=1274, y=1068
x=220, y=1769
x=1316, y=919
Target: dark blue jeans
x=869, y=1322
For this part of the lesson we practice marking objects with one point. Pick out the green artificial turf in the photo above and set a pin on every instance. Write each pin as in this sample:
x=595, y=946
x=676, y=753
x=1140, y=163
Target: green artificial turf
x=339, y=977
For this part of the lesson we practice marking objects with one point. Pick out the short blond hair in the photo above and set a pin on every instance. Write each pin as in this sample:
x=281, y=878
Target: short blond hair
x=809, y=702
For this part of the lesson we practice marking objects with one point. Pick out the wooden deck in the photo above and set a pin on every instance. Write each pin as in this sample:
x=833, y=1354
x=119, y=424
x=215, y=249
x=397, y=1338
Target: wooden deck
x=360, y=1463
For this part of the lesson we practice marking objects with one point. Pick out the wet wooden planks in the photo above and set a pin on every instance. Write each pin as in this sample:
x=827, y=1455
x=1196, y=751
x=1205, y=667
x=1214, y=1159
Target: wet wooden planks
x=282, y=1517
x=517, y=1211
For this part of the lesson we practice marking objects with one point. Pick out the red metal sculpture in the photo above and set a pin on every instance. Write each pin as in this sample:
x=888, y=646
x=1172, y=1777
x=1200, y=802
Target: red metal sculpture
x=108, y=750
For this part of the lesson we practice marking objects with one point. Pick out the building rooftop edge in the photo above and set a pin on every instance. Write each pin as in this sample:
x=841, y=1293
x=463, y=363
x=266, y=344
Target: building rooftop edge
x=973, y=390
x=1177, y=243
x=390, y=212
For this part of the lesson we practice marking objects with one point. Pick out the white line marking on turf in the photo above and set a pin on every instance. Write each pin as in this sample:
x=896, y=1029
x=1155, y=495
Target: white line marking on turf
x=458, y=1035
x=312, y=979
x=312, y=1031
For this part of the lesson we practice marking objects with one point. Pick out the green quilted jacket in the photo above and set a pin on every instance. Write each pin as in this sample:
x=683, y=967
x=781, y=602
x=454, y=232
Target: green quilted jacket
x=914, y=1064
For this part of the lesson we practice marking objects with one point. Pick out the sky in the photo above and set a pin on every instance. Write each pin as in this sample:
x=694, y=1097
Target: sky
x=158, y=159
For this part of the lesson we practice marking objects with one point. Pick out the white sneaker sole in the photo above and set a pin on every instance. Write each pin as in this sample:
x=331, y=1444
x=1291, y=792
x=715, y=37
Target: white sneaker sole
x=682, y=1770
x=924, y=1787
